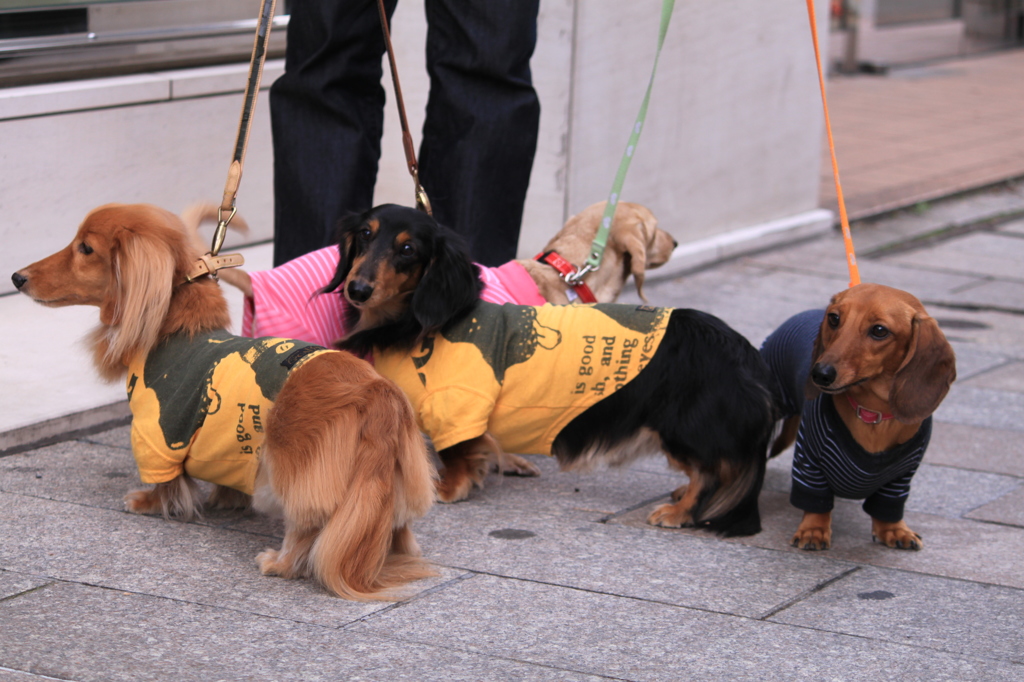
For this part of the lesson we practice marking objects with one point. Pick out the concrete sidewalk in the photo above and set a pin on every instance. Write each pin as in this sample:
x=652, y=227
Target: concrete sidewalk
x=559, y=577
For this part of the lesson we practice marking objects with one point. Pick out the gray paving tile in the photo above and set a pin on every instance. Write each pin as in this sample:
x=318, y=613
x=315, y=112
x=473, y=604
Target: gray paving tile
x=953, y=616
x=924, y=284
x=118, y=438
x=997, y=295
x=641, y=561
x=86, y=633
x=983, y=407
x=995, y=332
x=970, y=362
x=951, y=492
x=1014, y=227
x=986, y=254
x=73, y=471
x=16, y=676
x=999, y=451
x=187, y=562
x=1008, y=509
x=17, y=583
x=640, y=640
x=593, y=494
x=1005, y=377
x=953, y=548
x=826, y=257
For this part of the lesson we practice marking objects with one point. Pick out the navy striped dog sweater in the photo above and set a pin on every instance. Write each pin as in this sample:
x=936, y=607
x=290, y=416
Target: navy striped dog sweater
x=827, y=460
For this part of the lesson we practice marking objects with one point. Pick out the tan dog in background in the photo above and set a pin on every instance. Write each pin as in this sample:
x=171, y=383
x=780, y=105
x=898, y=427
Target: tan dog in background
x=878, y=366
x=635, y=244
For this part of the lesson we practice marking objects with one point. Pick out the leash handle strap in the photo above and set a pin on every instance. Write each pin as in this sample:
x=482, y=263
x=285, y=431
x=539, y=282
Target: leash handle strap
x=851, y=256
x=252, y=90
x=422, y=201
x=601, y=238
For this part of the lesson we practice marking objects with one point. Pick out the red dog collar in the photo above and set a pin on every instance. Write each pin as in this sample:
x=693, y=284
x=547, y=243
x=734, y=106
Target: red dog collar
x=863, y=413
x=566, y=269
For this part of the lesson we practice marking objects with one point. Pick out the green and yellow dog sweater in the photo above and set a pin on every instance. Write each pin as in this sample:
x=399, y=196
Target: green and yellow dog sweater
x=199, y=405
x=522, y=372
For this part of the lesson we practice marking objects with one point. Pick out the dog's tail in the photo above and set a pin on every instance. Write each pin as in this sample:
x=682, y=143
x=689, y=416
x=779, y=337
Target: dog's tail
x=365, y=550
x=731, y=508
x=196, y=214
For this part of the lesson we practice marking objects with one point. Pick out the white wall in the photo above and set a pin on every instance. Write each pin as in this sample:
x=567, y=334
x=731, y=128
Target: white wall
x=734, y=127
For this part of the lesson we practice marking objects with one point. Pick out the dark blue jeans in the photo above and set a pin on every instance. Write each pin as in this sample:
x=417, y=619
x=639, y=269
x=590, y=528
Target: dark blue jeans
x=479, y=137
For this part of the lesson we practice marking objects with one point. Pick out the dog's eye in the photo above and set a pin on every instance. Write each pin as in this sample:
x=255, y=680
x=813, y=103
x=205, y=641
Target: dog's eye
x=84, y=248
x=407, y=249
x=364, y=235
x=833, y=320
x=878, y=332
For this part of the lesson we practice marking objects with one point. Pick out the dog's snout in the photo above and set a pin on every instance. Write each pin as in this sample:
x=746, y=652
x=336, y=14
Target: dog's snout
x=19, y=280
x=823, y=375
x=360, y=292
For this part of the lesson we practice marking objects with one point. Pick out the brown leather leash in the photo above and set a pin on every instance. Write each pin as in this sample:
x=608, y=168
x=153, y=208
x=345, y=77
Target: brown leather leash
x=211, y=262
x=422, y=201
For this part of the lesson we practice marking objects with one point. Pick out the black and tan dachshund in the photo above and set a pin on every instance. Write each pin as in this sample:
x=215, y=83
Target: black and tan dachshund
x=623, y=380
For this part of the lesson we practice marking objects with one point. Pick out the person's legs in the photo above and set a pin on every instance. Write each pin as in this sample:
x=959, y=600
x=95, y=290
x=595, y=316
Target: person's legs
x=480, y=133
x=327, y=116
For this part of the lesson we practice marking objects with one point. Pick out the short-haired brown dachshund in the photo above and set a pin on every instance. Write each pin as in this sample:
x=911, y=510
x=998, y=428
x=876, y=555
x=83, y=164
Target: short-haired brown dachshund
x=315, y=435
x=875, y=366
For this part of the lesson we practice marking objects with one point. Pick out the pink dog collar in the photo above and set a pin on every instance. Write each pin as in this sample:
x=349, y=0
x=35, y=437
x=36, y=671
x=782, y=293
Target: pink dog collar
x=868, y=416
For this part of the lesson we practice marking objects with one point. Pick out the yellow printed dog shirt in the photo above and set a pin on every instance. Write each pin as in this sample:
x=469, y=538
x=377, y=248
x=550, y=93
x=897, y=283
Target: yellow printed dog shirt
x=521, y=372
x=199, y=405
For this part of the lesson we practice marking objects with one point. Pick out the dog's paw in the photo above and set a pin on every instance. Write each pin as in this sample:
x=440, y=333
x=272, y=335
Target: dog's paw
x=267, y=560
x=895, y=535
x=812, y=539
x=143, y=502
x=453, y=487
x=514, y=465
x=814, y=532
x=670, y=516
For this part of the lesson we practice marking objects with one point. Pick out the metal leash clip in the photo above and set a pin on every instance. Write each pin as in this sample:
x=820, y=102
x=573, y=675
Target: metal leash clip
x=221, y=232
x=575, y=278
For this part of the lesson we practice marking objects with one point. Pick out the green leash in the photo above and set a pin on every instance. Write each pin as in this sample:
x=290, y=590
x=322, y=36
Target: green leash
x=601, y=238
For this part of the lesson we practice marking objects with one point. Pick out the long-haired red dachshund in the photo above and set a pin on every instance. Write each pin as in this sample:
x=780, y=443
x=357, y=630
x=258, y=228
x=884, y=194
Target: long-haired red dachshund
x=585, y=383
x=874, y=366
x=316, y=435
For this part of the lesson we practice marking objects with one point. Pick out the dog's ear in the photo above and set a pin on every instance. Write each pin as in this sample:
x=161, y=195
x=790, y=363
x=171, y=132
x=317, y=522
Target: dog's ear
x=924, y=376
x=143, y=267
x=450, y=285
x=344, y=235
x=632, y=243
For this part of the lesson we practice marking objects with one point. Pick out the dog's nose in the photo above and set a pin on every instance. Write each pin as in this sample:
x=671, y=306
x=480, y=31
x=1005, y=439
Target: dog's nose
x=359, y=292
x=19, y=280
x=823, y=375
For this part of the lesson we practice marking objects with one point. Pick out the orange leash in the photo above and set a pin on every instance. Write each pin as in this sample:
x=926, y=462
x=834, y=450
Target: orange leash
x=851, y=257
